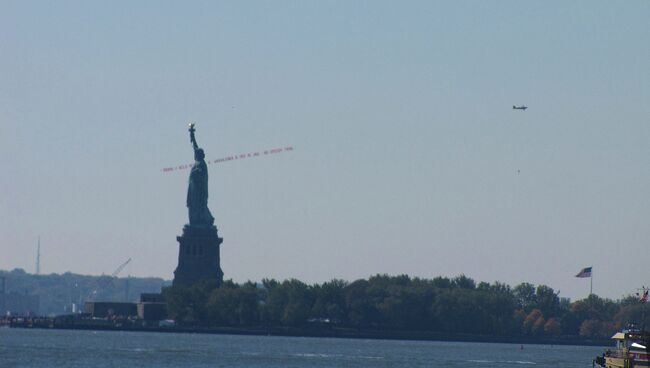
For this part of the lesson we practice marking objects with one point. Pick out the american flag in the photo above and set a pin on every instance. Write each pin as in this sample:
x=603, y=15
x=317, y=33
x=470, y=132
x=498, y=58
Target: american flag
x=585, y=272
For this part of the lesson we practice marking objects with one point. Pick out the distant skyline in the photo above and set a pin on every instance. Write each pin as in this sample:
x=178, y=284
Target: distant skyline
x=407, y=155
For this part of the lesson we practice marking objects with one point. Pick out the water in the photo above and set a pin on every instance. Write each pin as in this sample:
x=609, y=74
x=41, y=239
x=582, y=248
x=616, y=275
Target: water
x=60, y=348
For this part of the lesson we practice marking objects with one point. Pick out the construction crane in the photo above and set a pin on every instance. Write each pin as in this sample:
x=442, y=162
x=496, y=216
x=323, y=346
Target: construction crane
x=120, y=268
x=105, y=281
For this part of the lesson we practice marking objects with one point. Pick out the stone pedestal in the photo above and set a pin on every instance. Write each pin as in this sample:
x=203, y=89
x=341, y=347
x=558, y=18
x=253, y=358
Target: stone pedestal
x=198, y=256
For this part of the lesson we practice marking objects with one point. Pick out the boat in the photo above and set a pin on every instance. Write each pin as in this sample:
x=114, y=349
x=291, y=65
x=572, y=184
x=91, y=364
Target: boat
x=631, y=350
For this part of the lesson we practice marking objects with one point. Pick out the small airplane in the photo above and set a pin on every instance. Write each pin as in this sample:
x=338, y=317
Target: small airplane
x=522, y=107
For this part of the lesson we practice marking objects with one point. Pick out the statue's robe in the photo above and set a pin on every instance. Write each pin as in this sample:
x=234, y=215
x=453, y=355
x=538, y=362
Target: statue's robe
x=197, y=196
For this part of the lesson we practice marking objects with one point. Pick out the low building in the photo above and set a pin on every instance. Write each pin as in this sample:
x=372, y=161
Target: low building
x=110, y=309
x=152, y=311
x=152, y=307
x=152, y=298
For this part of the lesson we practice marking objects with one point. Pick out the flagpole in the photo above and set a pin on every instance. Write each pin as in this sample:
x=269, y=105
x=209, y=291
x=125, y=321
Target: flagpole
x=587, y=272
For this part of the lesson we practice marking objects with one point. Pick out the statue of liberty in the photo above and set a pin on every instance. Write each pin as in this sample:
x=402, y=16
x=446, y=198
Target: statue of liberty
x=199, y=246
x=197, y=190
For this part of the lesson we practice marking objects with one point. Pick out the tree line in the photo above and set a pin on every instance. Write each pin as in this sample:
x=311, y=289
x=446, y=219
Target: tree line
x=453, y=305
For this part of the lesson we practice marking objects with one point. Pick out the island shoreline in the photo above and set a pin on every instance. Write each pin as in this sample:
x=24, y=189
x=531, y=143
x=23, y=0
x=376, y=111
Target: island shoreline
x=322, y=332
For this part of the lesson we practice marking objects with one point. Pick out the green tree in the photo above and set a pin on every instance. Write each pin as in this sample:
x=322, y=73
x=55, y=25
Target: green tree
x=458, y=310
x=405, y=307
x=299, y=303
x=525, y=296
x=361, y=311
x=187, y=305
x=441, y=282
x=547, y=301
x=463, y=282
x=594, y=307
x=330, y=301
x=288, y=303
x=497, y=304
x=518, y=318
x=233, y=306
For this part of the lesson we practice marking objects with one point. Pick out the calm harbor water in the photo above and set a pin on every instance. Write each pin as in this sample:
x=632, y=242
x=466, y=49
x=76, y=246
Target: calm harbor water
x=59, y=348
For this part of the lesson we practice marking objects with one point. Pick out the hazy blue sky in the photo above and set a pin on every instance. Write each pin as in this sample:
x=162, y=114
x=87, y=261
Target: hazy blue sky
x=408, y=157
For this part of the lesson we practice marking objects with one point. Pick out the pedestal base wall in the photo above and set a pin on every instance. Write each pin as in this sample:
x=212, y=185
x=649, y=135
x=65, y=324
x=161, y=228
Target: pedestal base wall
x=198, y=256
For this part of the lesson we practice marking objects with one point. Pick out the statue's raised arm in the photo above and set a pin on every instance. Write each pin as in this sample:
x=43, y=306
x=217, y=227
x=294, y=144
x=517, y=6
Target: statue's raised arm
x=192, y=138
